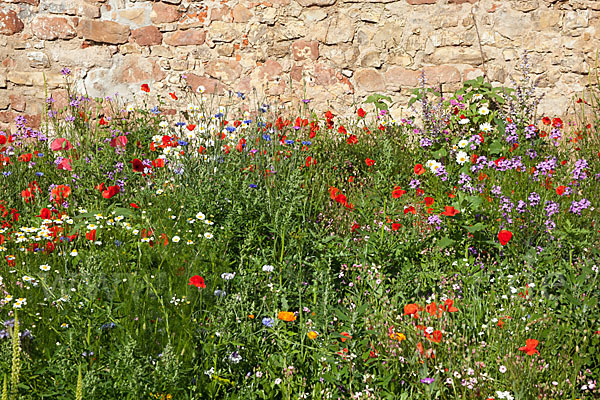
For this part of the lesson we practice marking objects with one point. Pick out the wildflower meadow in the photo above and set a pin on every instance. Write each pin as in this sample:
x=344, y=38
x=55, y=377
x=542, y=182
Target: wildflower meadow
x=234, y=249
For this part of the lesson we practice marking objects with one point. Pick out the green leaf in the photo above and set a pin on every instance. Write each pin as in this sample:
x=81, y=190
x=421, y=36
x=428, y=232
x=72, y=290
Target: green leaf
x=475, y=228
x=445, y=242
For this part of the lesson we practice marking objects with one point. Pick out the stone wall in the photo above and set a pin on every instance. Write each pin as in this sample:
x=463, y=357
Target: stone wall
x=334, y=52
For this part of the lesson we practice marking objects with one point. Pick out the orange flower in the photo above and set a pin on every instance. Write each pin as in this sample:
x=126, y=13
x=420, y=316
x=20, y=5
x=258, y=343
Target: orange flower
x=411, y=309
x=530, y=347
x=312, y=335
x=419, y=170
x=286, y=316
x=448, y=305
x=346, y=336
x=431, y=309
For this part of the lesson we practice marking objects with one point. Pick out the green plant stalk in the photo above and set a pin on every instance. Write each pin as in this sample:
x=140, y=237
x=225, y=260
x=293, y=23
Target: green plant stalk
x=16, y=361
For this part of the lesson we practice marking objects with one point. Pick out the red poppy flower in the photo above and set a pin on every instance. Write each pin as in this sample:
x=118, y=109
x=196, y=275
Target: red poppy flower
x=342, y=130
x=145, y=88
x=429, y=201
x=436, y=337
x=61, y=144
x=173, y=96
x=448, y=305
x=420, y=192
x=119, y=141
x=546, y=121
x=450, y=211
x=361, y=113
x=111, y=191
x=560, y=190
x=504, y=237
x=159, y=163
x=197, y=281
x=137, y=165
x=369, y=162
x=352, y=139
x=102, y=121
x=530, y=347
x=191, y=127
x=355, y=227
x=557, y=123
x=410, y=210
x=346, y=336
x=396, y=226
x=419, y=170
x=398, y=192
x=91, y=235
x=45, y=213
x=65, y=164
x=134, y=205
x=328, y=115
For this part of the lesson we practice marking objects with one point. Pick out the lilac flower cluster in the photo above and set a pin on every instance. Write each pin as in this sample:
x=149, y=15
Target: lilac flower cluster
x=578, y=206
x=578, y=172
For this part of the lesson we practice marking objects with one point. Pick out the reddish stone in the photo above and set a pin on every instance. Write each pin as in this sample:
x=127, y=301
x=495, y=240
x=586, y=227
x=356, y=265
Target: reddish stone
x=397, y=77
x=210, y=85
x=303, y=49
x=462, y=1
x=103, y=31
x=324, y=76
x=218, y=14
x=369, y=80
x=31, y=121
x=17, y=102
x=442, y=74
x=138, y=69
x=241, y=14
x=188, y=37
x=227, y=71
x=52, y=28
x=147, y=36
x=296, y=72
x=164, y=13
x=10, y=23
x=270, y=70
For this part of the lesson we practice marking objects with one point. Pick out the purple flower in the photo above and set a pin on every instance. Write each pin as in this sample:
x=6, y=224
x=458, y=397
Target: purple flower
x=578, y=206
x=427, y=381
x=578, y=172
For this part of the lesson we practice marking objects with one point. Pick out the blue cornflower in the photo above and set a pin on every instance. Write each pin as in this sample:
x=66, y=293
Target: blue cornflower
x=268, y=322
x=219, y=115
x=182, y=142
x=40, y=154
x=267, y=137
x=154, y=110
x=306, y=143
x=288, y=141
x=247, y=121
x=241, y=95
x=39, y=174
x=230, y=129
x=180, y=124
x=253, y=185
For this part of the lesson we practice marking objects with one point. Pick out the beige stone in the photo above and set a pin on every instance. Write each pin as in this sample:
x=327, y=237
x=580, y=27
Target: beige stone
x=103, y=31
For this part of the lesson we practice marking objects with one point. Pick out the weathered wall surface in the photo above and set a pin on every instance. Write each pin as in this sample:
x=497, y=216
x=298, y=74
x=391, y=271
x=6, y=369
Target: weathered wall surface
x=331, y=51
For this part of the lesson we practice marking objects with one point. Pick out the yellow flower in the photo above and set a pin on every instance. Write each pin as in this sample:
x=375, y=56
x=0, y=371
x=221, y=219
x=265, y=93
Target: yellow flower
x=312, y=335
x=398, y=336
x=286, y=316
